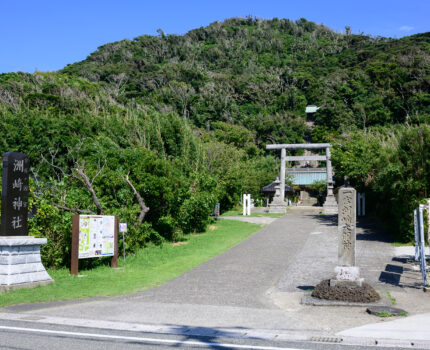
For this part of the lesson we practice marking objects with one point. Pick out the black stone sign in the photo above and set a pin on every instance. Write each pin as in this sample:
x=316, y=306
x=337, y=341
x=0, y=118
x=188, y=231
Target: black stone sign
x=14, y=201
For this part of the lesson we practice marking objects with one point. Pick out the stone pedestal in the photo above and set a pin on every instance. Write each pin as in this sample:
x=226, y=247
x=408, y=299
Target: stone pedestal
x=346, y=275
x=20, y=263
x=330, y=205
x=279, y=208
x=278, y=205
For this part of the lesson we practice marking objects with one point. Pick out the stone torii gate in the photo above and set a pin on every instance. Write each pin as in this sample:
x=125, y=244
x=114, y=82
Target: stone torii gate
x=330, y=204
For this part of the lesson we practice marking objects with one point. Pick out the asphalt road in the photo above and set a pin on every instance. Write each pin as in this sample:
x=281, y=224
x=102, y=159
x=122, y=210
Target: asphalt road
x=25, y=335
x=249, y=295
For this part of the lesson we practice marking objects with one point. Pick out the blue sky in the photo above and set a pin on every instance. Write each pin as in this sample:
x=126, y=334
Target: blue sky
x=45, y=35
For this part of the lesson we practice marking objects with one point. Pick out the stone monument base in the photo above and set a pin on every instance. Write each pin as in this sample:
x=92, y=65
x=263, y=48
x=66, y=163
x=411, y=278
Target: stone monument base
x=20, y=263
x=277, y=207
x=347, y=275
x=330, y=206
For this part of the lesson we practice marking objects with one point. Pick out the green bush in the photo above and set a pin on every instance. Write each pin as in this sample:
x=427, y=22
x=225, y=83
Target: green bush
x=166, y=227
x=194, y=214
x=49, y=222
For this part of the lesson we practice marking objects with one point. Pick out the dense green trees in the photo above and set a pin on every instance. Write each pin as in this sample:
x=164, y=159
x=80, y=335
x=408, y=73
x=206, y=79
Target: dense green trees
x=159, y=129
x=243, y=71
x=91, y=154
x=392, y=166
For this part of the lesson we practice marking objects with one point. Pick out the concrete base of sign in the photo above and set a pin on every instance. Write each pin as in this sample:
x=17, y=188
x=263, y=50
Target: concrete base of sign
x=330, y=206
x=20, y=263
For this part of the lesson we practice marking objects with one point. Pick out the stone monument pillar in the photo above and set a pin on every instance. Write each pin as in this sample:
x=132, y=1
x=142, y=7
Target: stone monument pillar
x=20, y=263
x=278, y=205
x=330, y=205
x=347, y=271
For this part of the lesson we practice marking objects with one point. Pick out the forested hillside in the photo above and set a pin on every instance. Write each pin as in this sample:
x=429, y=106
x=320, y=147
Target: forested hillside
x=159, y=128
x=261, y=74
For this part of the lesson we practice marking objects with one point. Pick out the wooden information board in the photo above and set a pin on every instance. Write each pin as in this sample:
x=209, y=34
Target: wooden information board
x=94, y=236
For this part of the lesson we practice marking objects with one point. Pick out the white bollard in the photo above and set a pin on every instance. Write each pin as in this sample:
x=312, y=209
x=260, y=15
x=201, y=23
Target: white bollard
x=248, y=211
x=244, y=197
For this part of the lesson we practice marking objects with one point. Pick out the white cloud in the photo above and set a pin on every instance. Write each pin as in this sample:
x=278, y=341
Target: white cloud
x=406, y=28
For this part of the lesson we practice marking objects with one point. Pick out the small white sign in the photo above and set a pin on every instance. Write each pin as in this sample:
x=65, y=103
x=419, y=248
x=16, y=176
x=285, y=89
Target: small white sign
x=122, y=227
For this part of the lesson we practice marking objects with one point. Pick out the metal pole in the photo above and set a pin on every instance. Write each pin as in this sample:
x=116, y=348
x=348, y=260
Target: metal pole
x=422, y=247
x=417, y=252
x=123, y=245
x=428, y=223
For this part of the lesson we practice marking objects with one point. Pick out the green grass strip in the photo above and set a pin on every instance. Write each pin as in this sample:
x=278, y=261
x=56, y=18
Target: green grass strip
x=150, y=267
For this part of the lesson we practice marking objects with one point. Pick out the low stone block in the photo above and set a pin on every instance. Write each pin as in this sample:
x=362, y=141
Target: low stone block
x=25, y=278
x=347, y=273
x=32, y=258
x=20, y=262
x=12, y=269
x=19, y=259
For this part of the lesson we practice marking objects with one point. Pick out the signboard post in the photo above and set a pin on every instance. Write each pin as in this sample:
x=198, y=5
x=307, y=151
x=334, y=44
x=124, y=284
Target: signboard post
x=94, y=236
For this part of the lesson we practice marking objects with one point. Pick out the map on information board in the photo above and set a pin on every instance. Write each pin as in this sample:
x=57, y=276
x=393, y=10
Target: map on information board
x=96, y=236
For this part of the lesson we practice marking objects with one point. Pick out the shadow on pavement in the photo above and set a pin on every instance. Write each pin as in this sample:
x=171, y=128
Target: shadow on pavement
x=328, y=220
x=212, y=337
x=306, y=288
x=402, y=273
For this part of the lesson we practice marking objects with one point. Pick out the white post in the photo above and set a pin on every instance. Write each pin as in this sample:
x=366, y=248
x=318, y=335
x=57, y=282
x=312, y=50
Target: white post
x=248, y=212
x=244, y=196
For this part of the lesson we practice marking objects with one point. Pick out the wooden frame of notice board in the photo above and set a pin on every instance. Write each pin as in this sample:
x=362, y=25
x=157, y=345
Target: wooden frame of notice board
x=94, y=236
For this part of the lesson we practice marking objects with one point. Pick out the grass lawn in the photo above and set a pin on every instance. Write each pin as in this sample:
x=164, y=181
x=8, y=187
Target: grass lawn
x=149, y=268
x=238, y=212
x=402, y=244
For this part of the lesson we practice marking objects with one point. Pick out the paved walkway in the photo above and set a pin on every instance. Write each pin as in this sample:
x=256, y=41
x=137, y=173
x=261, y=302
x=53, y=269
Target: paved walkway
x=256, y=287
x=264, y=220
